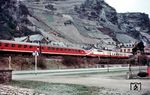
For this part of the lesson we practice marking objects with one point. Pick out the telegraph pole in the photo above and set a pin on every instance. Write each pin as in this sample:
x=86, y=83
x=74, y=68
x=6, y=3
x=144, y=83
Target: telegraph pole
x=35, y=63
x=9, y=62
x=35, y=54
x=109, y=61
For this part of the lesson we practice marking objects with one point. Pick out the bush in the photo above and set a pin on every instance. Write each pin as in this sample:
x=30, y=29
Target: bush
x=72, y=61
x=41, y=63
x=142, y=74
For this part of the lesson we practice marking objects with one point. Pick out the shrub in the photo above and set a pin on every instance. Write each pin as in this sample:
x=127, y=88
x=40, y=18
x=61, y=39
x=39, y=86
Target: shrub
x=41, y=63
x=72, y=61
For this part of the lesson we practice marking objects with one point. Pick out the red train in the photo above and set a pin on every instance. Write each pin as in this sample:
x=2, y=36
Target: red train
x=22, y=47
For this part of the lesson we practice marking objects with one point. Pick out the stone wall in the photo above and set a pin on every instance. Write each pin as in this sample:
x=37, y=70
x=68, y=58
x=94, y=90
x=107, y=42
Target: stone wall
x=5, y=76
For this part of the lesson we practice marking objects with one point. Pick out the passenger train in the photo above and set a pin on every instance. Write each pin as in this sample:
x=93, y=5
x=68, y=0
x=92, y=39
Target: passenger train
x=24, y=47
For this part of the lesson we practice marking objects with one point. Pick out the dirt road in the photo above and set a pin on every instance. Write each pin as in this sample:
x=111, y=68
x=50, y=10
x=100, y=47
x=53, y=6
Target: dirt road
x=112, y=82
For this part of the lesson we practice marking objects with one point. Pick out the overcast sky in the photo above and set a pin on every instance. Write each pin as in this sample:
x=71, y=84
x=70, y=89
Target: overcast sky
x=130, y=5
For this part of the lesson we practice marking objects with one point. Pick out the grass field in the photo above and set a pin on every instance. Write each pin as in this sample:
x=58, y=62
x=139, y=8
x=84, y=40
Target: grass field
x=56, y=88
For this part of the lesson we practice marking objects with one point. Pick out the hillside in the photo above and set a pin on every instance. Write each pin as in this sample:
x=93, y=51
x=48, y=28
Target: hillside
x=71, y=23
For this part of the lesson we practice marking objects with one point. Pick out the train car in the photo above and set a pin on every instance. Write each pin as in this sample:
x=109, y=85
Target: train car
x=112, y=54
x=12, y=46
x=24, y=47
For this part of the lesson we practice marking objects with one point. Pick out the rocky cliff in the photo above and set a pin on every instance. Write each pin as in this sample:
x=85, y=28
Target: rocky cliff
x=129, y=24
x=134, y=24
x=97, y=10
x=13, y=20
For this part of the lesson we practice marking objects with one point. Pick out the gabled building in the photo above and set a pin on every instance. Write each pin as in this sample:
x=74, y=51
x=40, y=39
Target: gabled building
x=126, y=47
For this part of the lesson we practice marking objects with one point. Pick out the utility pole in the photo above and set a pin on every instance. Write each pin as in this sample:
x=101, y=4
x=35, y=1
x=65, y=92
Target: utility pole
x=35, y=54
x=138, y=59
x=109, y=61
x=35, y=63
x=9, y=62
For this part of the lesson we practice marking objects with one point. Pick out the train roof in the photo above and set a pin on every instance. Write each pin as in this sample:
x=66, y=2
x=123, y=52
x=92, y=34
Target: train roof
x=10, y=41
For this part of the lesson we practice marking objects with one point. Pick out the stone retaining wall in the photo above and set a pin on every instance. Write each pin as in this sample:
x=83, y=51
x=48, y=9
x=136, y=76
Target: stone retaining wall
x=5, y=76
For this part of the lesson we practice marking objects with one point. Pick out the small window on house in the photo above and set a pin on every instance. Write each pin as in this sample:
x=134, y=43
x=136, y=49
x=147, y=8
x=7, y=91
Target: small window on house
x=121, y=50
x=128, y=50
x=124, y=50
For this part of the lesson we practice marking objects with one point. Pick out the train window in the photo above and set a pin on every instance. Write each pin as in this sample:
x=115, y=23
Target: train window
x=79, y=51
x=61, y=49
x=53, y=48
x=25, y=46
x=19, y=46
x=57, y=49
x=6, y=45
x=42, y=47
x=49, y=48
x=0, y=44
x=30, y=46
x=13, y=45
